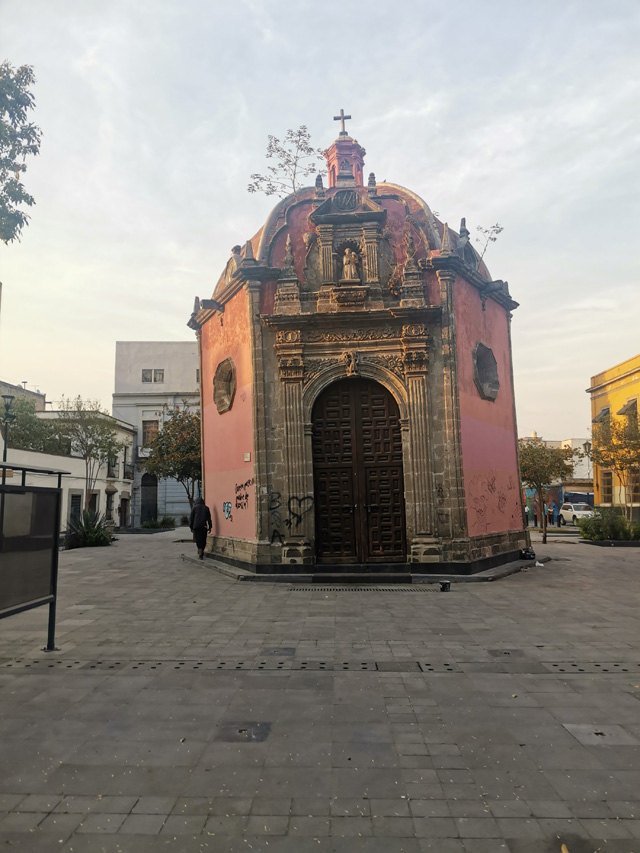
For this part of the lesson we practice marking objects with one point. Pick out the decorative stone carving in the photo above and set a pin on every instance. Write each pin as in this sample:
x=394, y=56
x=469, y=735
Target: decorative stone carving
x=392, y=363
x=346, y=200
x=351, y=362
x=289, y=336
x=350, y=297
x=224, y=385
x=318, y=336
x=314, y=366
x=291, y=368
x=288, y=292
x=416, y=361
x=414, y=330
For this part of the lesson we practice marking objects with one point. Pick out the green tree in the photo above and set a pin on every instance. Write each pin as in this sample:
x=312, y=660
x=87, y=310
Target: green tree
x=92, y=436
x=29, y=432
x=616, y=447
x=540, y=467
x=295, y=159
x=175, y=451
x=19, y=139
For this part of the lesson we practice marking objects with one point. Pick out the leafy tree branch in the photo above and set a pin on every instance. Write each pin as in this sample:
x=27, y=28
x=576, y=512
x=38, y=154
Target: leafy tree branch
x=19, y=139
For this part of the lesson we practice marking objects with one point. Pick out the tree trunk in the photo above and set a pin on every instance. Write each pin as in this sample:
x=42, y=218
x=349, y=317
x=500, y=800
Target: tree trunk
x=543, y=516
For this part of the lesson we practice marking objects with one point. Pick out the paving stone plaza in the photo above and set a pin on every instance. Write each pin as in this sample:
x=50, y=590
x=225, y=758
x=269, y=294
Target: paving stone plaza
x=187, y=711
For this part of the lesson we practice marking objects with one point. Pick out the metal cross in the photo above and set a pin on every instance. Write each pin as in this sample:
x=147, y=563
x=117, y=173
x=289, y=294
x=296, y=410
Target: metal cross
x=341, y=118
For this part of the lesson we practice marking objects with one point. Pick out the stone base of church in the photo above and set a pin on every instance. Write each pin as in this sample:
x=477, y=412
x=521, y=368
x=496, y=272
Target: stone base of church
x=428, y=556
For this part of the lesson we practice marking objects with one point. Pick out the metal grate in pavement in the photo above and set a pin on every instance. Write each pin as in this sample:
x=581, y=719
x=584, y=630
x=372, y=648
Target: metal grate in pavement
x=575, y=668
x=289, y=663
x=421, y=587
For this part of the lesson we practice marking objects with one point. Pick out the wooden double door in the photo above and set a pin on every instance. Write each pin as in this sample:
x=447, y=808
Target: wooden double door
x=358, y=478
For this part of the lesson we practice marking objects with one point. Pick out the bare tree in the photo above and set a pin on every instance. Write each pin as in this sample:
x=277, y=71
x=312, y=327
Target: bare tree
x=489, y=235
x=295, y=159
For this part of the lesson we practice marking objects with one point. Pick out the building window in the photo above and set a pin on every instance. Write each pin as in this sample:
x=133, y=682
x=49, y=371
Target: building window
x=93, y=502
x=109, y=507
x=112, y=467
x=197, y=375
x=602, y=416
x=149, y=432
x=147, y=375
x=634, y=486
x=75, y=508
x=158, y=375
x=224, y=385
x=606, y=492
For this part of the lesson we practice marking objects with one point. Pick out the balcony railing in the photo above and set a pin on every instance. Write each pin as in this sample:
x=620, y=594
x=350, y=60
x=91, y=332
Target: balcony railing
x=112, y=471
x=127, y=472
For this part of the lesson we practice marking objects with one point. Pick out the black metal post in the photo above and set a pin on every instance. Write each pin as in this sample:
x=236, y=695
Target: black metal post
x=51, y=630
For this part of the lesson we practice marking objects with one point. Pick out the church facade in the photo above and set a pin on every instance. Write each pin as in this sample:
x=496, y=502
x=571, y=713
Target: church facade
x=357, y=389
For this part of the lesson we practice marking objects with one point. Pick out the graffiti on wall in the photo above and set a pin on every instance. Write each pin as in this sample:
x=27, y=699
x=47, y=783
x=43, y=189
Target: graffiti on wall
x=226, y=509
x=491, y=501
x=242, y=493
x=287, y=516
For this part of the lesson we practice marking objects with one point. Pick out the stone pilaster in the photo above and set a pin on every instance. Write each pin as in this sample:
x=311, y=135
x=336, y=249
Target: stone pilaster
x=327, y=268
x=452, y=519
x=297, y=546
x=259, y=411
x=371, y=243
x=423, y=547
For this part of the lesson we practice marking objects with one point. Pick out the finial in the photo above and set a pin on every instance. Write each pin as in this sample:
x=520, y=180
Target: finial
x=342, y=118
x=319, y=184
x=464, y=231
x=196, y=305
x=287, y=266
x=446, y=241
x=371, y=184
x=248, y=251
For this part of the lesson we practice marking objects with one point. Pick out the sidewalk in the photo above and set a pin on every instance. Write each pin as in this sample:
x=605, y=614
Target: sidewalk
x=187, y=711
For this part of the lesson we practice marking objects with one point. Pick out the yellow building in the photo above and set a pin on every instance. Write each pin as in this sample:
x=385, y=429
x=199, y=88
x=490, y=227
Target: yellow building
x=614, y=396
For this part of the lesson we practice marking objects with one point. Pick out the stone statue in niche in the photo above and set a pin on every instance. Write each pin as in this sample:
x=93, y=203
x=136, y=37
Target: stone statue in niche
x=351, y=362
x=350, y=266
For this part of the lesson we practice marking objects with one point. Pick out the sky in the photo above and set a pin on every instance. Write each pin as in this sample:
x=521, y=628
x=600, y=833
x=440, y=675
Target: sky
x=155, y=113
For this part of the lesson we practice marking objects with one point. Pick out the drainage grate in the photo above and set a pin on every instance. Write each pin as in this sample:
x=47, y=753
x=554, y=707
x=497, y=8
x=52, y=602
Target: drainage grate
x=288, y=663
x=421, y=587
x=573, y=668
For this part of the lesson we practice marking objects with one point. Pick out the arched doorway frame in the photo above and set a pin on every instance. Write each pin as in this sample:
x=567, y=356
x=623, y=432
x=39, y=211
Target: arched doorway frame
x=399, y=392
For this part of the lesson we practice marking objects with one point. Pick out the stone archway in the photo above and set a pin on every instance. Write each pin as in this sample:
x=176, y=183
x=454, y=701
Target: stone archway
x=358, y=474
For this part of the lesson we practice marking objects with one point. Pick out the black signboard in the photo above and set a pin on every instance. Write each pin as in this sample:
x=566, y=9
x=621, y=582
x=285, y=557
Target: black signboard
x=29, y=541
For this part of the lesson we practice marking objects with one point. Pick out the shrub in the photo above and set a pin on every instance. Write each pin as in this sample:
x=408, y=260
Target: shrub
x=88, y=531
x=167, y=521
x=605, y=523
x=152, y=524
x=635, y=531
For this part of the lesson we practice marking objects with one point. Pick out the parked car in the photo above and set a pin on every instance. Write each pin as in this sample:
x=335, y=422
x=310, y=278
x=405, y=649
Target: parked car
x=572, y=512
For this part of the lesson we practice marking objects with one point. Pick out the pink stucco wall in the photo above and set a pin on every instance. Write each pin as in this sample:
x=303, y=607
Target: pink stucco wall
x=229, y=480
x=488, y=432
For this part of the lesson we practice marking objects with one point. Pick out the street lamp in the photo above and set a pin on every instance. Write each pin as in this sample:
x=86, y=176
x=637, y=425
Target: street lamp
x=7, y=418
x=587, y=452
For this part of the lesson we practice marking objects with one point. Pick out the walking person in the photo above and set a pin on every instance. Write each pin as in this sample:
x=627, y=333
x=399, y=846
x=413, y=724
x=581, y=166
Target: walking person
x=200, y=524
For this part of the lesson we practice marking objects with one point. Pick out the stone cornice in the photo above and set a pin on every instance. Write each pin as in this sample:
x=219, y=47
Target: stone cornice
x=488, y=289
x=429, y=316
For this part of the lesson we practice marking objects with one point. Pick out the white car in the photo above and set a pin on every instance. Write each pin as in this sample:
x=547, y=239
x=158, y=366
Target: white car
x=572, y=512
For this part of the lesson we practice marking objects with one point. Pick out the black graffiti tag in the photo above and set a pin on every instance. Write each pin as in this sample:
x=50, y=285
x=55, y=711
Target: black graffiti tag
x=298, y=508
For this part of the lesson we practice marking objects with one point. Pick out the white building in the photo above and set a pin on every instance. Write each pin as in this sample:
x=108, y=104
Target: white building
x=582, y=468
x=151, y=378
x=111, y=492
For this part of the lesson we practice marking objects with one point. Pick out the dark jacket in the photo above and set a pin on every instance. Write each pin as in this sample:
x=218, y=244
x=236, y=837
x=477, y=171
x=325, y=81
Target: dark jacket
x=200, y=515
